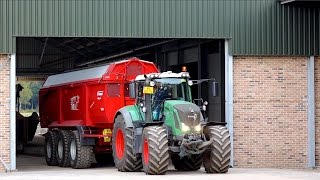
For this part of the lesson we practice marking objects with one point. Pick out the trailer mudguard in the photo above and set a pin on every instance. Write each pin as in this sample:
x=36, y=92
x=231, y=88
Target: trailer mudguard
x=84, y=140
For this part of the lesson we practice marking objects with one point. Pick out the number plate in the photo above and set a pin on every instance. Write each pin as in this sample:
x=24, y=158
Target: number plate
x=147, y=90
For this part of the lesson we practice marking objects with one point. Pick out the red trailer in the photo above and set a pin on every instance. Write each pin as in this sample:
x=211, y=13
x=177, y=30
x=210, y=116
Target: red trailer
x=79, y=109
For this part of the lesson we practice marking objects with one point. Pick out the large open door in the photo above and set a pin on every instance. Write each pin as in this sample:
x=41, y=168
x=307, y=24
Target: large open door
x=38, y=57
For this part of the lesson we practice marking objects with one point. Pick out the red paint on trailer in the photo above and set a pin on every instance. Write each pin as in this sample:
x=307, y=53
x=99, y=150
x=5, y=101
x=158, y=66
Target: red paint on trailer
x=91, y=102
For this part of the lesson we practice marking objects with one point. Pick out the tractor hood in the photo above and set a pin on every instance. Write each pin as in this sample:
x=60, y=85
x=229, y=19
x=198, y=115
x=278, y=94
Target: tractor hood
x=186, y=112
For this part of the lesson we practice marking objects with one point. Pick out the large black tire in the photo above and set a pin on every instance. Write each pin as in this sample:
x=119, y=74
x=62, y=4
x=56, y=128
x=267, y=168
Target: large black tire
x=80, y=156
x=104, y=159
x=217, y=159
x=50, y=148
x=188, y=163
x=124, y=157
x=155, y=150
x=62, y=149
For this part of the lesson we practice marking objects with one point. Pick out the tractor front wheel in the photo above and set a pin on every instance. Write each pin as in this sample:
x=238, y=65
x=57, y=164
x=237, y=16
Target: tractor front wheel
x=155, y=150
x=217, y=159
x=122, y=147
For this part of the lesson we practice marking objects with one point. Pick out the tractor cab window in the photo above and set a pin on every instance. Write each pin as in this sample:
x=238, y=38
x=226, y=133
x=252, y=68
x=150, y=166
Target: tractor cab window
x=169, y=89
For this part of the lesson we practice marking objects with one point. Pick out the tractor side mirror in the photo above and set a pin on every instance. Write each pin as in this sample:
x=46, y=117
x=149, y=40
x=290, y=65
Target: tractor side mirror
x=215, y=89
x=132, y=90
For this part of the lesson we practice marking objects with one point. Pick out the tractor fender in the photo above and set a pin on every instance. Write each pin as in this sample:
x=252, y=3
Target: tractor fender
x=126, y=115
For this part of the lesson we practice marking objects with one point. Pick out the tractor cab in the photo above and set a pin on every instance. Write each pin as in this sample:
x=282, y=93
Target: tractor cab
x=159, y=92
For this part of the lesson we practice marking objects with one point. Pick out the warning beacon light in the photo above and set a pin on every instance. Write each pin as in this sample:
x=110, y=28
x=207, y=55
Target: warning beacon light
x=184, y=68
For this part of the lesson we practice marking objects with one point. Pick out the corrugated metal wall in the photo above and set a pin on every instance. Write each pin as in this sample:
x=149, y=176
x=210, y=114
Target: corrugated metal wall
x=257, y=27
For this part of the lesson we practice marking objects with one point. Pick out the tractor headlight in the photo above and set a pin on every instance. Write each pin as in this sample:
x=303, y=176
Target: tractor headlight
x=197, y=128
x=184, y=127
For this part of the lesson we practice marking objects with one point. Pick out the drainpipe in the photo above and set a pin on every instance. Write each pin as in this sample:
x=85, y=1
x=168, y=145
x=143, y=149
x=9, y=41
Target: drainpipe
x=229, y=95
x=13, y=112
x=311, y=114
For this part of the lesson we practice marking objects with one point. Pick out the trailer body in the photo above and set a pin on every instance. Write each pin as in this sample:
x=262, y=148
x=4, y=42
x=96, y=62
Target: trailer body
x=87, y=100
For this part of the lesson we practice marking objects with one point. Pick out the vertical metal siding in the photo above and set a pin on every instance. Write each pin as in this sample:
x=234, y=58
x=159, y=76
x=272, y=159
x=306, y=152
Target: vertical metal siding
x=256, y=27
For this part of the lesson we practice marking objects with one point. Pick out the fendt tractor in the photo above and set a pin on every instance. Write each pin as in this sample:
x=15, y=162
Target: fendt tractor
x=130, y=109
x=165, y=123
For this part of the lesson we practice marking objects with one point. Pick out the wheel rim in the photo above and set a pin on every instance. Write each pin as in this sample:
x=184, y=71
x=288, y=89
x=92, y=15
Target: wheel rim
x=49, y=150
x=145, y=152
x=73, y=149
x=60, y=149
x=119, y=144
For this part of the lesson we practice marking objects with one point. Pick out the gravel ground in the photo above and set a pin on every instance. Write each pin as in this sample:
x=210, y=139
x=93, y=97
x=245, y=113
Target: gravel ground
x=34, y=167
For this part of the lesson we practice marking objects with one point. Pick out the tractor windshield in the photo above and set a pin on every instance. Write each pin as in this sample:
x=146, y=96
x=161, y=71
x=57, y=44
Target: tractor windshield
x=172, y=88
x=169, y=89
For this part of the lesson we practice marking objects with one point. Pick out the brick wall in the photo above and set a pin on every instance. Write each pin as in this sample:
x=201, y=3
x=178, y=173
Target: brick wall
x=4, y=111
x=317, y=108
x=270, y=112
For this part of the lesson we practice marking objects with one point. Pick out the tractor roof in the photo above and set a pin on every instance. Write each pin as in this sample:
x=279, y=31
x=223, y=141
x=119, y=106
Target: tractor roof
x=167, y=74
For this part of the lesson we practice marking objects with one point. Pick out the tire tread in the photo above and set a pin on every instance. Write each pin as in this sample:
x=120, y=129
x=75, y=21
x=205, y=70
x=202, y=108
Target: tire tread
x=158, y=150
x=217, y=160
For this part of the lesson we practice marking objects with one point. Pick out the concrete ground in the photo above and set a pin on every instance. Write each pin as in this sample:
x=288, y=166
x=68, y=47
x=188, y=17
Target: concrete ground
x=34, y=167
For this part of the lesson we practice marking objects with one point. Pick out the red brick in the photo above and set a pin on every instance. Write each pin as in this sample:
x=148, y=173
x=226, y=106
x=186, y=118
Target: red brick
x=270, y=112
x=4, y=111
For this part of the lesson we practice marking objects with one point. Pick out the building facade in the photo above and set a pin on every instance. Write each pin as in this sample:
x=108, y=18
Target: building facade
x=272, y=63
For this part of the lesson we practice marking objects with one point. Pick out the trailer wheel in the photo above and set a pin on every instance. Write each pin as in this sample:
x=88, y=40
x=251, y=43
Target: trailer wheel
x=217, y=159
x=155, y=150
x=80, y=156
x=188, y=163
x=63, y=148
x=50, y=148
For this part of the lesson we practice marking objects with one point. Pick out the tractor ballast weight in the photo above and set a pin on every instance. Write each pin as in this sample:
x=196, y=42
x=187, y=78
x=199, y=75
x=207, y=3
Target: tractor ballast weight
x=79, y=109
x=165, y=123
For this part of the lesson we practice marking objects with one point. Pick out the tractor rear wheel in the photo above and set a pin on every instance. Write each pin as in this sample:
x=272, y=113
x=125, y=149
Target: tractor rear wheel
x=80, y=156
x=188, y=163
x=50, y=148
x=122, y=147
x=63, y=148
x=217, y=159
x=155, y=150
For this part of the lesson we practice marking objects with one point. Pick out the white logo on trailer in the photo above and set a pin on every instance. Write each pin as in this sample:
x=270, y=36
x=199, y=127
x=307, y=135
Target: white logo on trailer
x=74, y=102
x=99, y=95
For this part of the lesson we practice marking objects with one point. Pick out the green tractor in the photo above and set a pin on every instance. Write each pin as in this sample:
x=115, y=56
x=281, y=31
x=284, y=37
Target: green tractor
x=165, y=124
